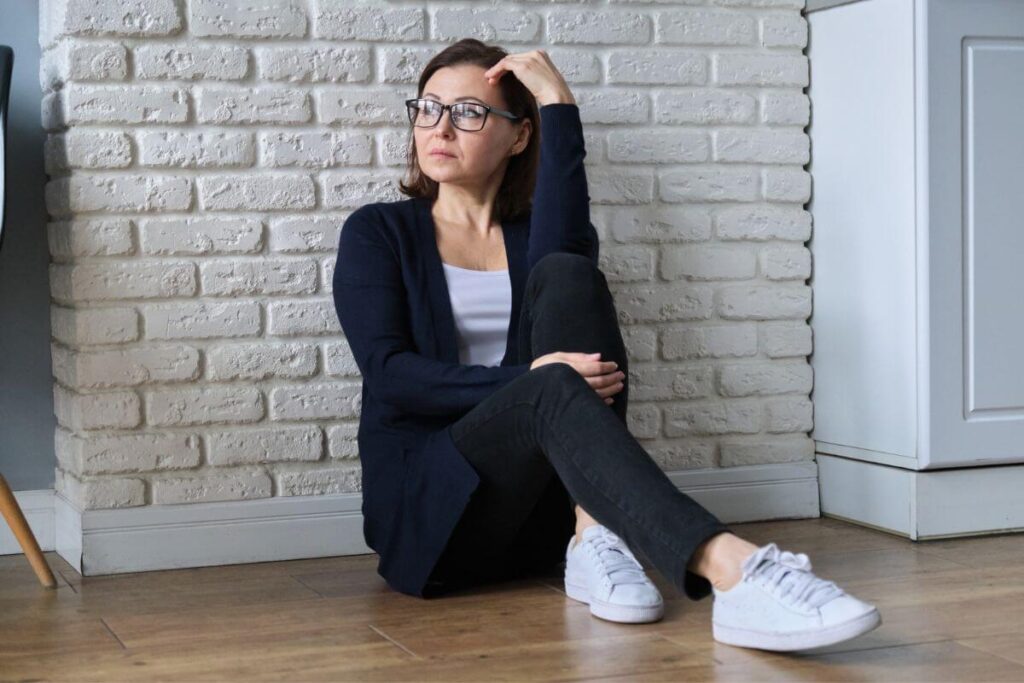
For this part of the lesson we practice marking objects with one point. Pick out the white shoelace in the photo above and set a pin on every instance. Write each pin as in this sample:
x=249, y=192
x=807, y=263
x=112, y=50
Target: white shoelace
x=789, y=577
x=615, y=558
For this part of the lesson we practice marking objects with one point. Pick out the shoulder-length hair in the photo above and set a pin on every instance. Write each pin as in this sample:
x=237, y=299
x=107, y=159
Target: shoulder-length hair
x=515, y=195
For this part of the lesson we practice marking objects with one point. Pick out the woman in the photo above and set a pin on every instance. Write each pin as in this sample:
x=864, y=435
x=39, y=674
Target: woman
x=493, y=434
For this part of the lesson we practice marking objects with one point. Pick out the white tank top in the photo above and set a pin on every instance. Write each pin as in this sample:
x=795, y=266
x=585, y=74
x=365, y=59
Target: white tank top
x=482, y=305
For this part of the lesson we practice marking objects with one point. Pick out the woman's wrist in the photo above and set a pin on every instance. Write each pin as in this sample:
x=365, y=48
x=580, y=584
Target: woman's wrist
x=561, y=97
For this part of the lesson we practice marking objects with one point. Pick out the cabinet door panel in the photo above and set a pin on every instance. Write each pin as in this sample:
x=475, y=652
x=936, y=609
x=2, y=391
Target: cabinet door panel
x=976, y=231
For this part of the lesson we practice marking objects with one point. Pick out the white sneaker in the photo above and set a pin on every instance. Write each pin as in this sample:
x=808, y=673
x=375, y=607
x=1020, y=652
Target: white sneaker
x=602, y=572
x=780, y=605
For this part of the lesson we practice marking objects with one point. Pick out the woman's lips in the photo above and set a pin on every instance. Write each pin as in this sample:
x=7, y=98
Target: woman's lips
x=442, y=155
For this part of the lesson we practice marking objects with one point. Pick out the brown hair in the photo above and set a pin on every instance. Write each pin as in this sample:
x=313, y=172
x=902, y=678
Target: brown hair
x=515, y=195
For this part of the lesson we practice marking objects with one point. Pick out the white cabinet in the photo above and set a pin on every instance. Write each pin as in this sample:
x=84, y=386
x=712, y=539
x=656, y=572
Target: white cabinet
x=917, y=163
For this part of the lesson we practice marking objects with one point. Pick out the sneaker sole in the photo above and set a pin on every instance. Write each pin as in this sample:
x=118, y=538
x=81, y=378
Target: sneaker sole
x=800, y=640
x=625, y=614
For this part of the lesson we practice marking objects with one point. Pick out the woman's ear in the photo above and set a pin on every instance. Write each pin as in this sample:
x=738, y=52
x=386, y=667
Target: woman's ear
x=522, y=138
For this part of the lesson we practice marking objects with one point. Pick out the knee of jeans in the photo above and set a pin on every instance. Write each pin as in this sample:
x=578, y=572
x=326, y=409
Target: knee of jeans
x=560, y=375
x=565, y=267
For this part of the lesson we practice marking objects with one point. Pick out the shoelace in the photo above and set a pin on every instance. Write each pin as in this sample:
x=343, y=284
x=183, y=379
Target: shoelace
x=789, y=576
x=616, y=558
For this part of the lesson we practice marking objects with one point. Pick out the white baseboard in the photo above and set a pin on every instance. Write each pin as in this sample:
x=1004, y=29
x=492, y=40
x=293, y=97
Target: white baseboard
x=37, y=506
x=926, y=504
x=154, y=537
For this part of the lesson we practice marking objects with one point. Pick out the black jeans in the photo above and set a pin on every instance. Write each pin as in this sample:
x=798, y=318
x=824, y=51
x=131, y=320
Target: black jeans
x=546, y=441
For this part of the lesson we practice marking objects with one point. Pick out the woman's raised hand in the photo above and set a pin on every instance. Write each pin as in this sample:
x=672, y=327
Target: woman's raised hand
x=538, y=73
x=603, y=375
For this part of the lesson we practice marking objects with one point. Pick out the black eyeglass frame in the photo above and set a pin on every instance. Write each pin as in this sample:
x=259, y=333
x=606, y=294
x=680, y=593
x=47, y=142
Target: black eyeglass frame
x=487, y=110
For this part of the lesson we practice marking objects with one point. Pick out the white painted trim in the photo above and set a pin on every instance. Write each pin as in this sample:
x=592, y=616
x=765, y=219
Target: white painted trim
x=157, y=537
x=37, y=506
x=922, y=505
x=818, y=5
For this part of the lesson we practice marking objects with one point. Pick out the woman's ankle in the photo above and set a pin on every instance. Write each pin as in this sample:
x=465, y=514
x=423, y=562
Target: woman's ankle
x=720, y=559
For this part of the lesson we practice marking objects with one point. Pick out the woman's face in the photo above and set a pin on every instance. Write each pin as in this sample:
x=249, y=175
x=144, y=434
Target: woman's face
x=478, y=158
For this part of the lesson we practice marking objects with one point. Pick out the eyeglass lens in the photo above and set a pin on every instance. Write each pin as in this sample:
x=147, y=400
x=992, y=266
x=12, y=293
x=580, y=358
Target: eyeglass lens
x=465, y=115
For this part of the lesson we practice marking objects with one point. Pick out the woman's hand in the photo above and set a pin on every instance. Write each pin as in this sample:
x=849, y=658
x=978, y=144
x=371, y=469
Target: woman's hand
x=603, y=376
x=538, y=73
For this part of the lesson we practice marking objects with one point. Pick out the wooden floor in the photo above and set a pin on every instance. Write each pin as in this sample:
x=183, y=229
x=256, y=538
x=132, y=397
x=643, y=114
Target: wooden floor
x=951, y=610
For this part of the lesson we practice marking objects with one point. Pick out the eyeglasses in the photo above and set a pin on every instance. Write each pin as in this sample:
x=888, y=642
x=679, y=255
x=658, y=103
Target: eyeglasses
x=468, y=116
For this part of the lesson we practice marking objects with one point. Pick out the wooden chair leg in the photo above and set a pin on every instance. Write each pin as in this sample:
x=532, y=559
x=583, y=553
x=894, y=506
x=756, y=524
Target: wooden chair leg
x=16, y=520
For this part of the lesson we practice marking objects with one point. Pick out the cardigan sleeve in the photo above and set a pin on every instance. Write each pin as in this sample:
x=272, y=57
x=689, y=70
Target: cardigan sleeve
x=370, y=300
x=560, y=216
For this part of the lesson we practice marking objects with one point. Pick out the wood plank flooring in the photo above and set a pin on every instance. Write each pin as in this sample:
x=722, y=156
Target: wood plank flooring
x=952, y=610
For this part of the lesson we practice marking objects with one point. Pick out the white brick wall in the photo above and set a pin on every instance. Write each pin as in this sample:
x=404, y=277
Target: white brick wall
x=205, y=153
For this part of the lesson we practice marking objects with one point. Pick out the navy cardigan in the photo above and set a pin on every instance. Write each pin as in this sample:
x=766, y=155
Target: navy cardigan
x=393, y=304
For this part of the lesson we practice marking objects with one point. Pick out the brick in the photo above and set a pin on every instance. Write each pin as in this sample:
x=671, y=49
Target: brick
x=705, y=27
x=79, y=238
x=175, y=149
x=117, y=193
x=403, y=64
x=663, y=302
x=351, y=189
x=253, y=105
x=621, y=185
x=315, y=64
x=105, y=493
x=686, y=456
x=209, y=488
x=204, y=405
x=200, y=235
x=247, y=18
x=129, y=104
x=305, y=234
x=315, y=401
x=111, y=281
x=659, y=383
x=708, y=341
x=360, y=106
x=126, y=367
x=786, y=263
x=706, y=262
x=191, y=62
x=202, y=320
x=736, y=416
x=256, y=446
x=81, y=327
x=627, y=264
x=492, y=24
x=711, y=184
x=316, y=149
x=265, y=192
x=87, y=149
x=658, y=223
x=764, y=450
x=780, y=340
x=658, y=146
x=339, y=361
x=105, y=410
x=346, y=478
x=136, y=18
x=261, y=361
x=761, y=302
x=342, y=441
x=657, y=67
x=264, y=277
x=760, y=69
x=704, y=107
x=95, y=454
x=763, y=379
x=575, y=26
x=762, y=146
x=789, y=414
x=343, y=20
x=761, y=223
